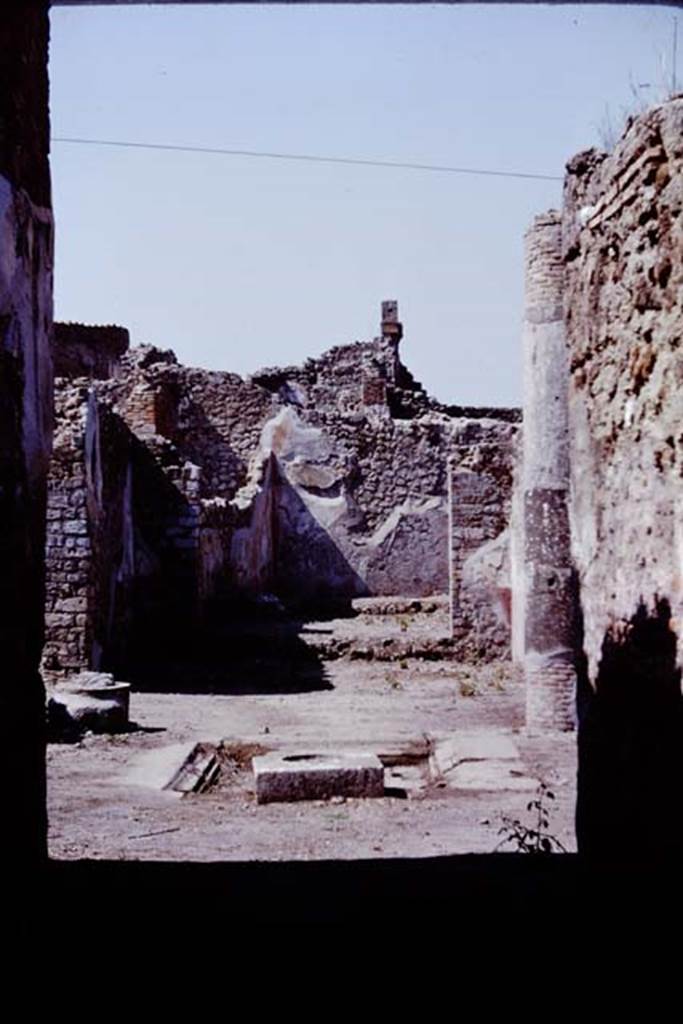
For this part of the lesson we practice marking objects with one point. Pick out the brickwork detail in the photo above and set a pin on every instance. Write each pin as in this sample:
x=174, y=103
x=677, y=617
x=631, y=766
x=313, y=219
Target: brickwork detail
x=623, y=246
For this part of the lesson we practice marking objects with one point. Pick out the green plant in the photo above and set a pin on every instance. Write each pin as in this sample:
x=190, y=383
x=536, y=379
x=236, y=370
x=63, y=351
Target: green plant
x=534, y=838
x=467, y=686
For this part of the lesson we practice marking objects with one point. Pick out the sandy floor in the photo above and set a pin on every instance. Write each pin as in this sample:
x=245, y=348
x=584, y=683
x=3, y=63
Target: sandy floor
x=106, y=800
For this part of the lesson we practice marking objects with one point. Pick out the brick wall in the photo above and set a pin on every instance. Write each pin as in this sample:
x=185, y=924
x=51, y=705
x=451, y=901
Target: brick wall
x=623, y=252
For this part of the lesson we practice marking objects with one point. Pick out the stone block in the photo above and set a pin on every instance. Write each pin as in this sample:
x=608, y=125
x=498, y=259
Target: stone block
x=451, y=751
x=71, y=604
x=91, y=700
x=76, y=528
x=56, y=619
x=311, y=776
x=492, y=777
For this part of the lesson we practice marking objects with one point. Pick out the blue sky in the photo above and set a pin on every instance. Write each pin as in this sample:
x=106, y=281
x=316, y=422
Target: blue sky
x=237, y=262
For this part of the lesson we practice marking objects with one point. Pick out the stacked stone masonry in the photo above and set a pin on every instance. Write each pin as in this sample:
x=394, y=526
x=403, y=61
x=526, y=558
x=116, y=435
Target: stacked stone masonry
x=316, y=483
x=480, y=496
x=68, y=542
x=623, y=252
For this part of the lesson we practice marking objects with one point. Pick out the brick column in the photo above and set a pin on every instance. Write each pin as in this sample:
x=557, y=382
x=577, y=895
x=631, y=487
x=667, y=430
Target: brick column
x=549, y=580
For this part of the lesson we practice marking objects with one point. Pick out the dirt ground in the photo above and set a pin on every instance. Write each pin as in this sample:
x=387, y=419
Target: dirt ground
x=105, y=795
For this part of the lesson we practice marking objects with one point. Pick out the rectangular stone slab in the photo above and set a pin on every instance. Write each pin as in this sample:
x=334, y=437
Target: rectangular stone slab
x=312, y=776
x=482, y=745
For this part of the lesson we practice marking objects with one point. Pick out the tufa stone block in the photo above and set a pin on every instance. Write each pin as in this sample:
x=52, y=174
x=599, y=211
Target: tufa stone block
x=312, y=776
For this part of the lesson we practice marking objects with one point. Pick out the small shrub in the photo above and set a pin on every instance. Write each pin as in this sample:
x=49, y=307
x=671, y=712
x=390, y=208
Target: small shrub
x=534, y=838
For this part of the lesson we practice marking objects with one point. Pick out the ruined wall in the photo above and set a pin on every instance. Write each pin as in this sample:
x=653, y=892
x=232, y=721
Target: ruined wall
x=213, y=418
x=480, y=496
x=89, y=548
x=623, y=251
x=299, y=482
x=167, y=520
x=395, y=438
x=312, y=512
x=362, y=501
x=516, y=556
x=67, y=544
x=26, y=243
x=361, y=450
x=623, y=238
x=79, y=350
x=134, y=551
x=217, y=522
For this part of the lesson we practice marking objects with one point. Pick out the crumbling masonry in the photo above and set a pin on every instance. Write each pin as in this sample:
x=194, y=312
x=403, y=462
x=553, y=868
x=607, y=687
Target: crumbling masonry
x=622, y=240
x=601, y=480
x=174, y=488
x=622, y=229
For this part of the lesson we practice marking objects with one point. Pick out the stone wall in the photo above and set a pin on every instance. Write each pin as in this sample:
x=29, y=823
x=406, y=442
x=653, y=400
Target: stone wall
x=480, y=497
x=167, y=526
x=82, y=351
x=213, y=418
x=516, y=556
x=25, y=414
x=90, y=566
x=132, y=550
x=623, y=252
x=362, y=453
x=316, y=483
x=68, y=541
x=623, y=234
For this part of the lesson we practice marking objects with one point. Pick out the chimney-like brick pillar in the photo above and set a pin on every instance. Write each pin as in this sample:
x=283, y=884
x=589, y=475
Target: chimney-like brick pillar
x=549, y=580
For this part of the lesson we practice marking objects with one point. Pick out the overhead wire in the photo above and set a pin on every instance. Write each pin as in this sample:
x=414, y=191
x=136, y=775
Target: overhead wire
x=308, y=157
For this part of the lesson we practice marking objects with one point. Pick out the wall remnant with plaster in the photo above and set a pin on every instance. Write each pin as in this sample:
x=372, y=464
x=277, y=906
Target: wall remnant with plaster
x=316, y=484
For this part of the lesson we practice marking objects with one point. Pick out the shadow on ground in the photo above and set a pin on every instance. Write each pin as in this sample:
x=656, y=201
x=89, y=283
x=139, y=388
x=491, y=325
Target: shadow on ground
x=483, y=889
x=245, y=654
x=630, y=783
